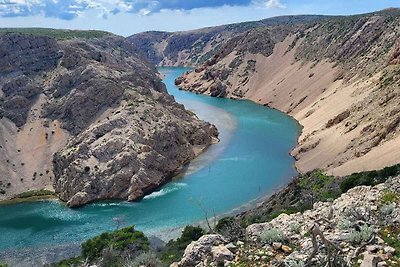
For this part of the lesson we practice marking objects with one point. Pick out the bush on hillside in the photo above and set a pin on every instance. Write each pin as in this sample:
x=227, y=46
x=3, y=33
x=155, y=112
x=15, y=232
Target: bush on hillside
x=124, y=239
x=369, y=177
x=230, y=228
x=147, y=259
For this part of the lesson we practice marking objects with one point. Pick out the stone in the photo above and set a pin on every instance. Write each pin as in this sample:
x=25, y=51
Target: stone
x=370, y=260
x=276, y=245
x=379, y=240
x=382, y=264
x=221, y=254
x=239, y=243
x=389, y=249
x=372, y=248
x=232, y=248
x=286, y=249
x=199, y=250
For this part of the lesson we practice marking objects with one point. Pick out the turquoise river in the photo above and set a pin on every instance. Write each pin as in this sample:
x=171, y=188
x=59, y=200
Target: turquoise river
x=251, y=161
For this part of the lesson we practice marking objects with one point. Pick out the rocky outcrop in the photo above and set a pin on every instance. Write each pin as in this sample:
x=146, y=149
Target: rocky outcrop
x=207, y=249
x=337, y=76
x=115, y=131
x=358, y=228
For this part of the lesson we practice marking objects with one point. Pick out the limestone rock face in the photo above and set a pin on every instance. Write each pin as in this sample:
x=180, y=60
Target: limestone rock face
x=198, y=251
x=128, y=136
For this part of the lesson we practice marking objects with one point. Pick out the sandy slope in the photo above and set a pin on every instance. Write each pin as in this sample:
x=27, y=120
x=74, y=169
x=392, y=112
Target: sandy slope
x=29, y=152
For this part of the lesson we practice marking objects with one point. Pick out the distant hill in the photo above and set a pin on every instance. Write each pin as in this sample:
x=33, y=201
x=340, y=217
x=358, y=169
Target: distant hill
x=59, y=34
x=196, y=46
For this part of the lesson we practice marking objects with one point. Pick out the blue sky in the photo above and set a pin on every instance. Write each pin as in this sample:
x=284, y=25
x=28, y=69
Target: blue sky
x=126, y=17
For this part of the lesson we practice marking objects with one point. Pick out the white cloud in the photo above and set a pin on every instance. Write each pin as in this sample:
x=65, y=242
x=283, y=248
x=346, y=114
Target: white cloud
x=275, y=4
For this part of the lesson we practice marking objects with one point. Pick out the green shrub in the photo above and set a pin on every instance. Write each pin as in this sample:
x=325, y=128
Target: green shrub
x=354, y=180
x=148, y=259
x=174, y=249
x=345, y=225
x=36, y=193
x=389, y=171
x=111, y=258
x=119, y=240
x=293, y=263
x=369, y=177
x=224, y=224
x=364, y=235
x=230, y=228
x=391, y=237
x=295, y=227
x=389, y=197
x=273, y=235
x=387, y=209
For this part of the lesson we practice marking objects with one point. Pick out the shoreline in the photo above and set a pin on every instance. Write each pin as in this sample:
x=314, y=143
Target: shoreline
x=30, y=196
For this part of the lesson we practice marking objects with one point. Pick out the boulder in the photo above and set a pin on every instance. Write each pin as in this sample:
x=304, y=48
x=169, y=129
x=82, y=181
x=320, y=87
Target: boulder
x=221, y=254
x=197, y=251
x=370, y=260
x=277, y=245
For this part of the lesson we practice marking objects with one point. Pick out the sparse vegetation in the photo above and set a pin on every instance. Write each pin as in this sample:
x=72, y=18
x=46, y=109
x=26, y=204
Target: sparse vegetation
x=56, y=33
x=119, y=240
x=36, y=193
x=369, y=177
x=230, y=228
x=295, y=227
x=362, y=235
x=390, y=197
x=148, y=259
x=273, y=235
x=391, y=236
x=174, y=248
x=387, y=209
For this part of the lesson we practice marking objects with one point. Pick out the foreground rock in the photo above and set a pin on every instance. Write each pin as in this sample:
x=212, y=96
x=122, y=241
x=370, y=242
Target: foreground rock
x=115, y=131
x=356, y=228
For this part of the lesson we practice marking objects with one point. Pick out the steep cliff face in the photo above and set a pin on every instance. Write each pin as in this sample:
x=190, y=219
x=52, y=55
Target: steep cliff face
x=103, y=112
x=337, y=76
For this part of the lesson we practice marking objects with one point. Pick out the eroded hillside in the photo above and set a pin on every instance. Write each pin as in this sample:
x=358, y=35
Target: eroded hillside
x=103, y=113
x=193, y=48
x=337, y=76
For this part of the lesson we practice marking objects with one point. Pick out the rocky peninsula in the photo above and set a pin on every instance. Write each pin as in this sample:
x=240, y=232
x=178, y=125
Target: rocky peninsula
x=88, y=118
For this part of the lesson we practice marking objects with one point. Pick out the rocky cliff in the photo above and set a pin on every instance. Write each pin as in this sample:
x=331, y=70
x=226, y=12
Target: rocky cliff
x=338, y=76
x=89, y=118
